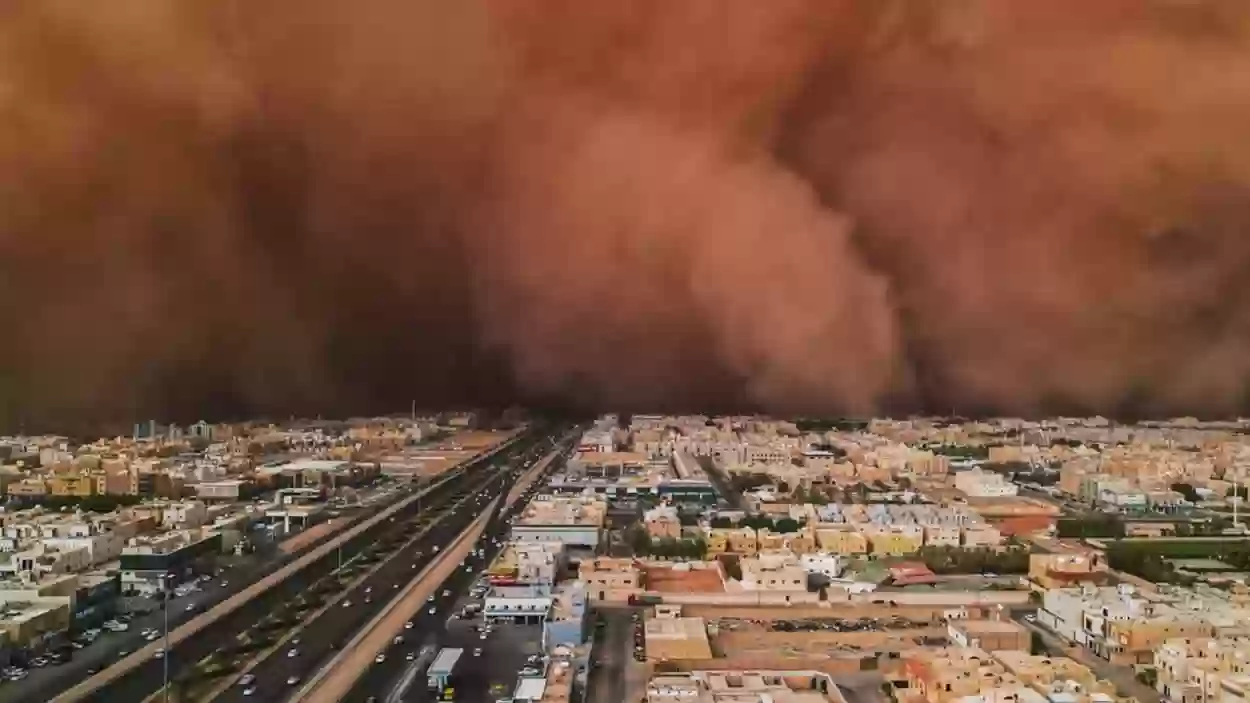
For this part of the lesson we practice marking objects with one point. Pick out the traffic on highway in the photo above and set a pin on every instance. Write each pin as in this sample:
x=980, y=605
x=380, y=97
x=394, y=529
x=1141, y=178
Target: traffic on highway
x=477, y=479
x=395, y=676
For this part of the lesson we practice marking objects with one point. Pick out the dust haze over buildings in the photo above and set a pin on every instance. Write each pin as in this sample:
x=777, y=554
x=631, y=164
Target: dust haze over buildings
x=833, y=206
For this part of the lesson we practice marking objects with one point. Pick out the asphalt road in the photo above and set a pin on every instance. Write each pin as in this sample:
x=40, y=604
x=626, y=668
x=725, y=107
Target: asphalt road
x=382, y=680
x=321, y=638
x=610, y=656
x=144, y=680
x=238, y=573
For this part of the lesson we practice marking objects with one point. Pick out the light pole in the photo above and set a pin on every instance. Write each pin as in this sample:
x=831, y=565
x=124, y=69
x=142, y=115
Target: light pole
x=165, y=658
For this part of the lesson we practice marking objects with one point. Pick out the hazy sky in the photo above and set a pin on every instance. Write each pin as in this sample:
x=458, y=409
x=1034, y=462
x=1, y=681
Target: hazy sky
x=835, y=206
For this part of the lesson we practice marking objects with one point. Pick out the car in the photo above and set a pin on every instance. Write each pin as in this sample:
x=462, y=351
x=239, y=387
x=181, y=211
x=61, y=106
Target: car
x=408, y=625
x=477, y=651
x=247, y=679
x=399, y=639
x=225, y=584
x=410, y=656
x=292, y=680
x=292, y=653
x=190, y=608
x=432, y=611
x=379, y=659
x=347, y=604
x=123, y=654
x=159, y=654
x=368, y=600
x=250, y=690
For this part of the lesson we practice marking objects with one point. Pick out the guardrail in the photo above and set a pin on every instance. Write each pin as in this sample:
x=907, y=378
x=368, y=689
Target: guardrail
x=227, y=607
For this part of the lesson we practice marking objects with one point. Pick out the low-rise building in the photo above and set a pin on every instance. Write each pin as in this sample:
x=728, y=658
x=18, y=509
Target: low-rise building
x=575, y=521
x=610, y=579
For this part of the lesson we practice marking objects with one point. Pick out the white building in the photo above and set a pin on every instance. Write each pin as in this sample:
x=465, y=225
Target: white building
x=828, y=565
x=977, y=483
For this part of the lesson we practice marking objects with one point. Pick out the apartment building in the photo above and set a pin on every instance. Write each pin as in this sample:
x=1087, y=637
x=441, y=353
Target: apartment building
x=1191, y=670
x=610, y=579
x=773, y=572
x=945, y=675
x=1061, y=570
x=984, y=484
x=662, y=522
x=841, y=539
x=1123, y=626
x=743, y=687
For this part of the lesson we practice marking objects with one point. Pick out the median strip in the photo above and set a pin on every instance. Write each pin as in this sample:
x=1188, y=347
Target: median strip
x=335, y=679
x=238, y=600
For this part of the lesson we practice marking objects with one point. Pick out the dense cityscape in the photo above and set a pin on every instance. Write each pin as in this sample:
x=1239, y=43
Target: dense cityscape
x=632, y=557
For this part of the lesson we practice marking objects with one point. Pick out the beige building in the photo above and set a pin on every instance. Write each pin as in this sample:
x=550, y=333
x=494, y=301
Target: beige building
x=1192, y=670
x=610, y=579
x=773, y=572
x=670, y=637
x=743, y=687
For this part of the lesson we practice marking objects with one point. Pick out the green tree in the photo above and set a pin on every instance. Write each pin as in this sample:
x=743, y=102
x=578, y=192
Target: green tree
x=787, y=525
x=1187, y=491
x=721, y=522
x=640, y=541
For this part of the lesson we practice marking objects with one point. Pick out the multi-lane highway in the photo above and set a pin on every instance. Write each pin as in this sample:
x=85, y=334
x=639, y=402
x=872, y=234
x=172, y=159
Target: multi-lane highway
x=391, y=679
x=146, y=679
x=280, y=674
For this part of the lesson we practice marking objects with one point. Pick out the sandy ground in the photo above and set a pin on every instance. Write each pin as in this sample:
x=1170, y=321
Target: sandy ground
x=662, y=580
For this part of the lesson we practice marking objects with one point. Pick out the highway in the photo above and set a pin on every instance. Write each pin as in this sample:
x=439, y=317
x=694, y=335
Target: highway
x=391, y=680
x=145, y=679
x=321, y=638
x=238, y=573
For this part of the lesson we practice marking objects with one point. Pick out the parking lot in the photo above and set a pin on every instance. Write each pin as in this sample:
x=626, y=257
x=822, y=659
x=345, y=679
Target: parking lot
x=89, y=653
x=823, y=625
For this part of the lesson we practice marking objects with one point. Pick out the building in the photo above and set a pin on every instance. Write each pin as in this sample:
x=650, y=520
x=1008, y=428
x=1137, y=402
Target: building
x=670, y=637
x=169, y=558
x=572, y=521
x=990, y=635
x=1192, y=670
x=523, y=605
x=609, y=579
x=1060, y=570
x=743, y=687
x=773, y=572
x=1125, y=627
x=566, y=623
x=662, y=522
x=984, y=484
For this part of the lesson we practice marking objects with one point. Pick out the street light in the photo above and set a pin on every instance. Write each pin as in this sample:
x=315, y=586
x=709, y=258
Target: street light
x=165, y=578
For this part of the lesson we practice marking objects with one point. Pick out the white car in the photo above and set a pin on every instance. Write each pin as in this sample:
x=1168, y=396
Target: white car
x=292, y=653
x=432, y=611
x=292, y=680
x=159, y=654
x=408, y=625
x=379, y=659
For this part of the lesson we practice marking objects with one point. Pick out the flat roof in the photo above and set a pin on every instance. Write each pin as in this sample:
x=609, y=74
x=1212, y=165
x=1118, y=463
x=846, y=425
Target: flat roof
x=530, y=689
x=446, y=660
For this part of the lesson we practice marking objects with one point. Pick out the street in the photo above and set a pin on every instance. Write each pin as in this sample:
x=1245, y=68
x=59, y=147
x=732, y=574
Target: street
x=1123, y=677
